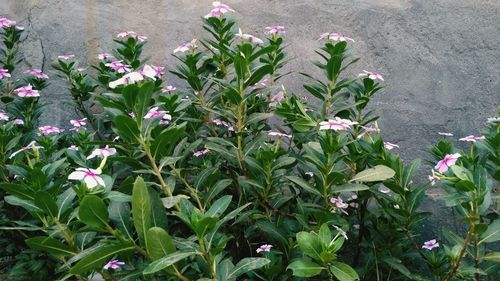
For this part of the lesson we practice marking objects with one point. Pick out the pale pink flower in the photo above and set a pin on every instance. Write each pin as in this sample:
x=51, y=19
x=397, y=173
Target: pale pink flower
x=390, y=146
x=152, y=71
x=47, y=130
x=341, y=231
x=37, y=73
x=338, y=202
x=168, y=89
x=278, y=134
x=448, y=161
x=336, y=124
x=445, y=134
x=489, y=120
x=131, y=114
x=81, y=69
x=368, y=130
x=249, y=38
x=434, y=178
x=102, y=152
x=372, y=75
x=218, y=122
x=472, y=138
x=4, y=73
x=264, y=248
x=73, y=148
x=104, y=56
x=275, y=30
x=113, y=264
x=431, y=244
x=335, y=36
x=154, y=112
x=77, y=123
x=26, y=92
x=65, y=57
x=132, y=34
x=90, y=177
x=219, y=9
x=276, y=99
x=19, y=27
x=200, y=153
x=165, y=120
x=185, y=47
x=4, y=116
x=19, y=122
x=4, y=22
x=119, y=66
x=31, y=145
x=129, y=78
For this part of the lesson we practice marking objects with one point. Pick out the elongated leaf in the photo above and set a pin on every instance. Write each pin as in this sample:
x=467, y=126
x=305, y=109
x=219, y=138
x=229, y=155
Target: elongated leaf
x=493, y=256
x=310, y=244
x=343, y=272
x=93, y=212
x=99, y=257
x=350, y=187
x=377, y=173
x=126, y=127
x=46, y=202
x=18, y=190
x=50, y=245
x=166, y=262
x=219, y=206
x=160, y=244
x=305, y=268
x=302, y=183
x=141, y=210
x=492, y=234
x=245, y=265
x=119, y=213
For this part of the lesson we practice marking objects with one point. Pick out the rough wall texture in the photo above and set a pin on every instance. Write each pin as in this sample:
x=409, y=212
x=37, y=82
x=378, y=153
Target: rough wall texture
x=440, y=58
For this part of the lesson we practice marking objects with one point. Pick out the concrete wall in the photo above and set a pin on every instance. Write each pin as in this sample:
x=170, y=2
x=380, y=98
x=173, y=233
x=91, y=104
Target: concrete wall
x=440, y=58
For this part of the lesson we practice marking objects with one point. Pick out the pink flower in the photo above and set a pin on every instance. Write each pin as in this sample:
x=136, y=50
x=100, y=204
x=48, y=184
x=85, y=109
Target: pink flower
x=31, y=145
x=200, y=153
x=275, y=30
x=264, y=248
x=78, y=122
x=336, y=124
x=6, y=22
x=250, y=38
x=390, y=146
x=104, y=56
x=371, y=74
x=73, y=148
x=152, y=71
x=168, y=89
x=132, y=34
x=102, y=152
x=26, y=92
x=19, y=122
x=218, y=10
x=472, y=138
x=4, y=116
x=431, y=244
x=90, y=177
x=185, y=47
x=276, y=99
x=368, y=130
x=341, y=231
x=338, y=203
x=219, y=122
x=278, y=134
x=4, y=73
x=129, y=78
x=131, y=114
x=37, y=73
x=119, y=66
x=448, y=161
x=154, y=112
x=113, y=264
x=47, y=130
x=335, y=36
x=445, y=134
x=65, y=57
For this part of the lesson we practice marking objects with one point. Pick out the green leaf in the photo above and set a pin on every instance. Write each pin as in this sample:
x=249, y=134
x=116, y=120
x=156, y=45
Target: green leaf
x=350, y=187
x=398, y=265
x=305, y=268
x=46, y=202
x=166, y=262
x=93, y=211
x=219, y=206
x=493, y=256
x=141, y=210
x=310, y=244
x=343, y=272
x=119, y=214
x=98, y=258
x=246, y=265
x=377, y=173
x=257, y=117
x=50, y=245
x=160, y=244
x=492, y=234
x=325, y=235
x=26, y=204
x=460, y=172
x=306, y=186
x=258, y=74
x=127, y=128
x=18, y=190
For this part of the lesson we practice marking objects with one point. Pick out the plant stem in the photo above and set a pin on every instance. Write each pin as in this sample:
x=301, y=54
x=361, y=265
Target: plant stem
x=456, y=264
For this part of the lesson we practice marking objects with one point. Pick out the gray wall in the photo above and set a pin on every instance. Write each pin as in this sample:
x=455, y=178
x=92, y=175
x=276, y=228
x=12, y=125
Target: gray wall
x=440, y=58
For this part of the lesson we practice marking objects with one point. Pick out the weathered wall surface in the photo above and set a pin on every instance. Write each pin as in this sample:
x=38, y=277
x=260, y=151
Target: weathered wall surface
x=440, y=58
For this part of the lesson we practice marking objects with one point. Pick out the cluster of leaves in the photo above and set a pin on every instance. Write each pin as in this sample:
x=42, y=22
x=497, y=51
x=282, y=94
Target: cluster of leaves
x=196, y=184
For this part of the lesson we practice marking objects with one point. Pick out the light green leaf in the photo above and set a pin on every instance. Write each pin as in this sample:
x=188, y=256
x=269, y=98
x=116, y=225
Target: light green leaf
x=99, y=257
x=93, y=211
x=343, y=272
x=166, y=262
x=219, y=206
x=492, y=234
x=350, y=187
x=160, y=244
x=141, y=209
x=377, y=173
x=246, y=265
x=493, y=256
x=50, y=245
x=305, y=268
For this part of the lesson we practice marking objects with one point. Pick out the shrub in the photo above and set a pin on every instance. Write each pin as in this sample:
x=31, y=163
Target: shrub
x=231, y=177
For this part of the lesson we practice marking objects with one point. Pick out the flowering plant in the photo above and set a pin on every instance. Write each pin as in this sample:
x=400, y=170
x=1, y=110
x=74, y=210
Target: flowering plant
x=152, y=182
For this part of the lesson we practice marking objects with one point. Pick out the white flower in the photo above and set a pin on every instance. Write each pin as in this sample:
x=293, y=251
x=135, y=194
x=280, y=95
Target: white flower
x=249, y=37
x=102, y=152
x=336, y=124
x=89, y=176
x=129, y=78
x=278, y=134
x=31, y=145
x=493, y=120
x=390, y=146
